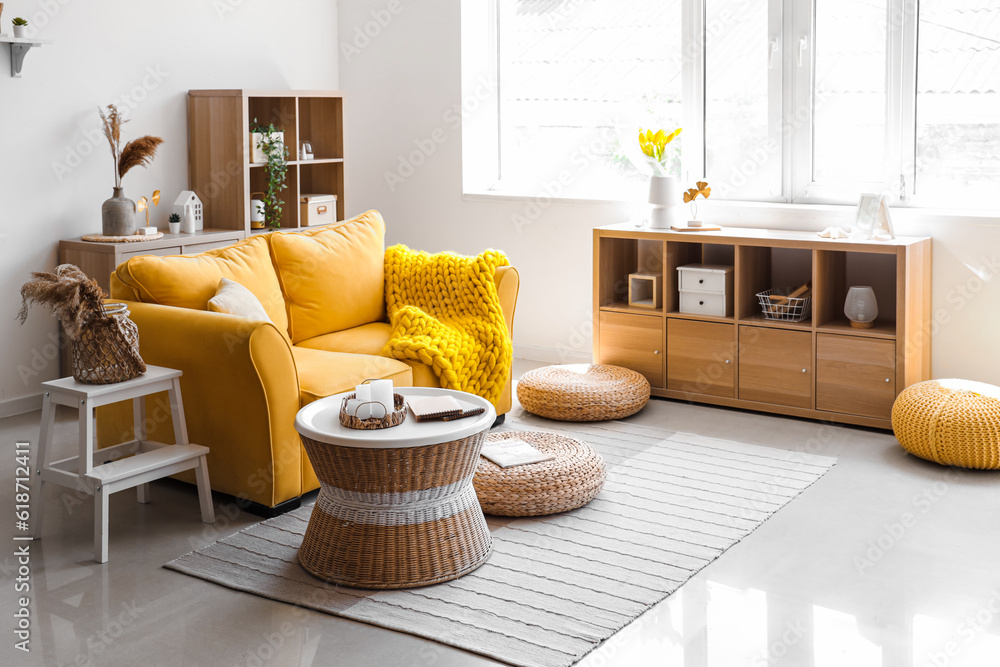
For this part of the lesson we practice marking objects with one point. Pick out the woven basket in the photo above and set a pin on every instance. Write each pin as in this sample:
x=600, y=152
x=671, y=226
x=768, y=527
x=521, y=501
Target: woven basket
x=582, y=393
x=107, y=350
x=394, y=418
x=395, y=517
x=952, y=422
x=568, y=481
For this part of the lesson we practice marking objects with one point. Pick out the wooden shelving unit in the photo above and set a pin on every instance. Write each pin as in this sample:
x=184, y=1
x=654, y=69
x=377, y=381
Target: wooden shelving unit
x=821, y=367
x=220, y=171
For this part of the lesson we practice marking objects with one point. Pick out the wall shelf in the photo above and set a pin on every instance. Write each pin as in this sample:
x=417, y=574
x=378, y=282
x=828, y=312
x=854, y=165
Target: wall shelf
x=220, y=170
x=19, y=47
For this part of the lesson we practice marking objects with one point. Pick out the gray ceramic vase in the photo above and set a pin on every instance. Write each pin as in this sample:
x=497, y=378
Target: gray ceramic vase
x=118, y=215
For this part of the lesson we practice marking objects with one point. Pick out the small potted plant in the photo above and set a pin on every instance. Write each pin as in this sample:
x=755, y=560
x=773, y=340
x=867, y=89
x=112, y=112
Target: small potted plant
x=265, y=139
x=174, y=222
x=272, y=145
x=20, y=27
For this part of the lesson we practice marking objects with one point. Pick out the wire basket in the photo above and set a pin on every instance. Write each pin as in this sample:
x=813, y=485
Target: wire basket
x=107, y=350
x=792, y=309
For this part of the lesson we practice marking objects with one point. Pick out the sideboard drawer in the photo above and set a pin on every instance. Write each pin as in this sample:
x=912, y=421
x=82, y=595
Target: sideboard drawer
x=159, y=252
x=705, y=278
x=706, y=303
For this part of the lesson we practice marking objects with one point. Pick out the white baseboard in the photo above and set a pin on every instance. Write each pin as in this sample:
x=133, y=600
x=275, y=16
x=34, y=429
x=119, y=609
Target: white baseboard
x=20, y=405
x=552, y=355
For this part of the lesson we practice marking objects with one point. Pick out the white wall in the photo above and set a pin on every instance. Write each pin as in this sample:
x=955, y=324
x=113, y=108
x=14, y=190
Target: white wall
x=401, y=73
x=55, y=169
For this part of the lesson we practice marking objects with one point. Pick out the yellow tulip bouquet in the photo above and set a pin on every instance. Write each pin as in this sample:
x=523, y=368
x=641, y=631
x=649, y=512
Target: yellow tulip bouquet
x=654, y=147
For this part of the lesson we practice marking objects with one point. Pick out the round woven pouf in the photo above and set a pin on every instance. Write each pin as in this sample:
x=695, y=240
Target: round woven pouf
x=583, y=392
x=952, y=422
x=568, y=481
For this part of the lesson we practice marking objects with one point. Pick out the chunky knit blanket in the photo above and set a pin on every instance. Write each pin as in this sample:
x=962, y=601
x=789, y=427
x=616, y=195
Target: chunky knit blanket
x=445, y=312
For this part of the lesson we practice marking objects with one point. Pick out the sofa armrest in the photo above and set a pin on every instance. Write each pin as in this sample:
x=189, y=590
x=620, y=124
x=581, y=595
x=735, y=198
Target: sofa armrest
x=508, y=282
x=240, y=392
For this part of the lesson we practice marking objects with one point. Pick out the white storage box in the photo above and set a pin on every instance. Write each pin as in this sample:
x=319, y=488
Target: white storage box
x=706, y=289
x=317, y=210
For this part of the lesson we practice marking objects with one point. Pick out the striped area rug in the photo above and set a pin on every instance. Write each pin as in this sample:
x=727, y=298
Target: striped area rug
x=555, y=587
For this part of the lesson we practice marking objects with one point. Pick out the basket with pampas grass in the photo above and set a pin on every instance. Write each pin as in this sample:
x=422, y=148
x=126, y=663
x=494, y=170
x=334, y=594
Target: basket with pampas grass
x=105, y=341
x=118, y=213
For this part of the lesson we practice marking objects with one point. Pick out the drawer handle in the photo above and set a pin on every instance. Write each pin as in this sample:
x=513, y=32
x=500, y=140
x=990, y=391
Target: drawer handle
x=804, y=370
x=656, y=351
x=701, y=281
x=727, y=361
x=701, y=303
x=887, y=379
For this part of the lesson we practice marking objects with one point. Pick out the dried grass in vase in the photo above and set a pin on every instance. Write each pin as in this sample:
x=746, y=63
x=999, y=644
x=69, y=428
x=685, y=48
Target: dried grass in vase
x=68, y=292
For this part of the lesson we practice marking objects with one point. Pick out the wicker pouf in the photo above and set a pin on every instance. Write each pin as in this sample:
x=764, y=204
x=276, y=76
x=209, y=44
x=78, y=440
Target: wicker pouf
x=583, y=392
x=953, y=422
x=568, y=481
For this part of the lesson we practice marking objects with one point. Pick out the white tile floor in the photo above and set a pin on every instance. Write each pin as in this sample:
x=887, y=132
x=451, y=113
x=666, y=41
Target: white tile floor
x=886, y=561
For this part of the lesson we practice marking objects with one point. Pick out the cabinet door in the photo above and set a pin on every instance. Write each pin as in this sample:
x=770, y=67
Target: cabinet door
x=701, y=357
x=855, y=375
x=633, y=341
x=776, y=366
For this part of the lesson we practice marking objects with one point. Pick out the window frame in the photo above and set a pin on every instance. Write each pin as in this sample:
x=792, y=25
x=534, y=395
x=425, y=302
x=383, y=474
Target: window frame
x=790, y=88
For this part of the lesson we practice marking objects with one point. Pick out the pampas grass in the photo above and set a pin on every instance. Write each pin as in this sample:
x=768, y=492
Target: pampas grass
x=68, y=292
x=139, y=152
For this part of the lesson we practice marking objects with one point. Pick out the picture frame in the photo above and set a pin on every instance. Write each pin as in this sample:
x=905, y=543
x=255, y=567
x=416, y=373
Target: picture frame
x=871, y=219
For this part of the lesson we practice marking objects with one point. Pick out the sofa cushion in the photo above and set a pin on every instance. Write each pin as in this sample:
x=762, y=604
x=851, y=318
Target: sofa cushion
x=234, y=299
x=323, y=374
x=370, y=339
x=332, y=277
x=189, y=281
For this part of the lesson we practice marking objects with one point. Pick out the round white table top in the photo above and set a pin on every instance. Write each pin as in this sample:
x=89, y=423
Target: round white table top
x=320, y=420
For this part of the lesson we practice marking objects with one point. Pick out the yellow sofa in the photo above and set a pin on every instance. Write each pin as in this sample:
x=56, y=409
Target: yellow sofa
x=244, y=381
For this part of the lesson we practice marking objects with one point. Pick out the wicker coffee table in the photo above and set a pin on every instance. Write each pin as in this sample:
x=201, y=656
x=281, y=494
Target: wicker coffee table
x=396, y=507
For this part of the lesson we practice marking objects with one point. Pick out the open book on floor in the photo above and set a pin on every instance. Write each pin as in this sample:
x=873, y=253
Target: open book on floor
x=513, y=452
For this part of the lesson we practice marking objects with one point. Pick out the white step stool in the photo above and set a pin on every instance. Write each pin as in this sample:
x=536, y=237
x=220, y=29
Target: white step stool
x=105, y=471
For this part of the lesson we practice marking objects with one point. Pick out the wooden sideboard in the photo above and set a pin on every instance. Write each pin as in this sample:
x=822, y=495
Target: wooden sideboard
x=820, y=368
x=99, y=260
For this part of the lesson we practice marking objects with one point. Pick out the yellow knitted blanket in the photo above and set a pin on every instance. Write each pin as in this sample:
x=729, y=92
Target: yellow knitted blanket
x=445, y=312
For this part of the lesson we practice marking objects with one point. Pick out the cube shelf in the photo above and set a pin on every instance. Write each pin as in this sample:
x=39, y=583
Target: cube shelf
x=820, y=367
x=220, y=171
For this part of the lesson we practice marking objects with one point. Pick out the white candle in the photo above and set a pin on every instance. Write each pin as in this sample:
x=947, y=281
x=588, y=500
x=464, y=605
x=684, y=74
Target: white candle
x=352, y=406
x=363, y=393
x=381, y=393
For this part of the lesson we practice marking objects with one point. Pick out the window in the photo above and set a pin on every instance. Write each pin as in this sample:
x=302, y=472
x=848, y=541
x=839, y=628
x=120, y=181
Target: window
x=805, y=101
x=570, y=74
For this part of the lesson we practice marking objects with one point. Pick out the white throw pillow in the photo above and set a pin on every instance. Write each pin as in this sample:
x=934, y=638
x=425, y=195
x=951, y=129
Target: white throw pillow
x=235, y=299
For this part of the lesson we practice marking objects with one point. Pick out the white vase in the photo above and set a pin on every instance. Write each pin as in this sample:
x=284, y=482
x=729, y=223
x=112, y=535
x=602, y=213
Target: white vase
x=666, y=202
x=257, y=154
x=175, y=227
x=861, y=307
x=188, y=221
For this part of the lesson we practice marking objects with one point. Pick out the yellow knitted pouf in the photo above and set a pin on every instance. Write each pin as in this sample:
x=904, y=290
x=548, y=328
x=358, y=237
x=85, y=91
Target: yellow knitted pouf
x=953, y=422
